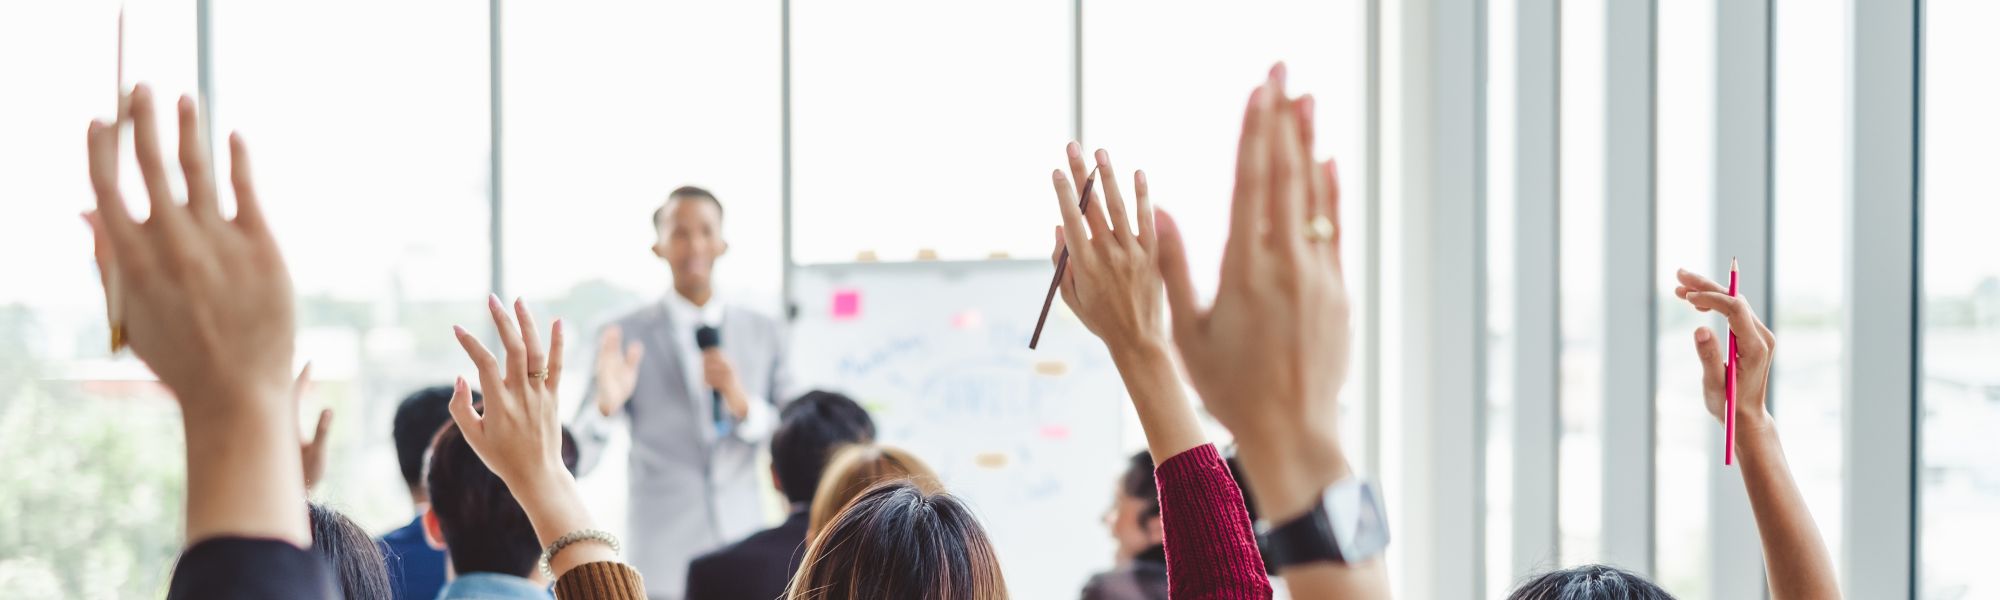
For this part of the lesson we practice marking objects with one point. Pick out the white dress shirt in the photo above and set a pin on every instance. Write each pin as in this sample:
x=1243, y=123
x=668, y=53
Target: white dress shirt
x=757, y=422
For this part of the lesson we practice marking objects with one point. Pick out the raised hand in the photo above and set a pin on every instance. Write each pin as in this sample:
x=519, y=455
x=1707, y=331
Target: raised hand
x=617, y=372
x=206, y=302
x=1112, y=282
x=1754, y=344
x=517, y=432
x=312, y=453
x=1269, y=356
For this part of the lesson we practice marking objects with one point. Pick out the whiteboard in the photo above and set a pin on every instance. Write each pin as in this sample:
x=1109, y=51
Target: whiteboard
x=938, y=353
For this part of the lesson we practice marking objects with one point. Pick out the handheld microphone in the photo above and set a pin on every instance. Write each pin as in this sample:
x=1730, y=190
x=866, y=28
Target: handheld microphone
x=709, y=339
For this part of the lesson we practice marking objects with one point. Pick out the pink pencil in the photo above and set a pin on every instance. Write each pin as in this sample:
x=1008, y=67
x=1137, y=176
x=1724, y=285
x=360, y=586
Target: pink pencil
x=1729, y=385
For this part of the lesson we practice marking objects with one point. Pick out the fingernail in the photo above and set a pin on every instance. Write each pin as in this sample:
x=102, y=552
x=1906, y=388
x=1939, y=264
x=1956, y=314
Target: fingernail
x=1702, y=335
x=1278, y=73
x=1075, y=149
x=456, y=330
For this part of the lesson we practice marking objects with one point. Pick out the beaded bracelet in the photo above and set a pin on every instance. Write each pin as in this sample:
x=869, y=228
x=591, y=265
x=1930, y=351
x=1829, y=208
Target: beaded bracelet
x=581, y=535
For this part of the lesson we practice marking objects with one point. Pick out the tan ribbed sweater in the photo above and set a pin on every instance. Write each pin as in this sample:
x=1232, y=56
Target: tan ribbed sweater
x=603, y=580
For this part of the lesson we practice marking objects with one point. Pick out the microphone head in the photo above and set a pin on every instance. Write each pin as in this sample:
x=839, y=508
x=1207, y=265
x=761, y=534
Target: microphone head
x=707, y=337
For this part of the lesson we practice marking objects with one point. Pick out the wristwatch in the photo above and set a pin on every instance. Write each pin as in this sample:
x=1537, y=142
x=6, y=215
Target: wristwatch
x=1345, y=526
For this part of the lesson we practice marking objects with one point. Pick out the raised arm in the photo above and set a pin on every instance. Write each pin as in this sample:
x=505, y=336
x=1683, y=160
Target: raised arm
x=206, y=302
x=518, y=433
x=1113, y=285
x=1795, y=558
x=1268, y=357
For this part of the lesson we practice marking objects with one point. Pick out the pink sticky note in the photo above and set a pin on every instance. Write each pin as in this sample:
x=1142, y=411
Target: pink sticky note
x=969, y=319
x=846, y=305
x=1055, y=431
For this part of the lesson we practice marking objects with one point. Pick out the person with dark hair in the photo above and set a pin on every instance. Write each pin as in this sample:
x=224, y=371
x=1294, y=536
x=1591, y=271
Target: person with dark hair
x=698, y=383
x=416, y=570
x=489, y=544
x=1140, y=563
x=1589, y=582
x=352, y=558
x=759, y=567
x=902, y=538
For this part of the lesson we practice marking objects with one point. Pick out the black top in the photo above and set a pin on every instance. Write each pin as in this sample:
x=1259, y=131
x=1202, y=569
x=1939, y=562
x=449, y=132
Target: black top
x=755, y=568
x=227, y=568
x=1144, y=579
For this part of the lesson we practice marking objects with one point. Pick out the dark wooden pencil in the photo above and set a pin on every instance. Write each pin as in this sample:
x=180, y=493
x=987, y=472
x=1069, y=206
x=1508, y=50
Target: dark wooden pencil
x=1062, y=263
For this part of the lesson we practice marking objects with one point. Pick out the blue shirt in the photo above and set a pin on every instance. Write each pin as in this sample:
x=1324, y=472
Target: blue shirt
x=416, y=570
x=493, y=586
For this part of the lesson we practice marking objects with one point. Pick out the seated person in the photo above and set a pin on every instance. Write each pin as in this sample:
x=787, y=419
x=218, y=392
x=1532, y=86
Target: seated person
x=352, y=558
x=416, y=570
x=1140, y=570
x=490, y=547
x=853, y=470
x=759, y=566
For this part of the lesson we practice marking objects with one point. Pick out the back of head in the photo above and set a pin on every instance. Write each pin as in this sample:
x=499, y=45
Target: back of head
x=809, y=430
x=1137, y=484
x=901, y=539
x=854, y=469
x=1590, y=582
x=359, y=572
x=418, y=420
x=485, y=529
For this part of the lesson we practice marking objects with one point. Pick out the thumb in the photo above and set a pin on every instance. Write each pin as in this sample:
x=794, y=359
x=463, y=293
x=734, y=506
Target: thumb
x=1709, y=348
x=1174, y=271
x=461, y=409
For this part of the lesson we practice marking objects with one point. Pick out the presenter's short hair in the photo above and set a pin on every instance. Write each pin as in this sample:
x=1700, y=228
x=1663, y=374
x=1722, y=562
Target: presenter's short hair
x=686, y=192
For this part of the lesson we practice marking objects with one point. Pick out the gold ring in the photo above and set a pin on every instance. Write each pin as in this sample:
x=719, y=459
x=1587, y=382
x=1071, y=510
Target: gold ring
x=1320, y=229
x=117, y=337
x=538, y=375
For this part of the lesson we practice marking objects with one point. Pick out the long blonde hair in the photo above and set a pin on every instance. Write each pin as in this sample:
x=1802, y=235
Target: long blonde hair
x=853, y=469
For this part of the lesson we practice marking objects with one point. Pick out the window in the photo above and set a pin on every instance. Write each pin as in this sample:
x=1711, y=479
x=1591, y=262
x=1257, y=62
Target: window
x=90, y=500
x=1582, y=238
x=1809, y=140
x=603, y=116
x=1960, y=389
x=1501, y=264
x=1684, y=238
x=945, y=149
x=372, y=162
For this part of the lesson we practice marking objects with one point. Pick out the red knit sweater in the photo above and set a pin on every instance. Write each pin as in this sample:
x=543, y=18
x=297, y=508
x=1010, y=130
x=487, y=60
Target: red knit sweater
x=1211, y=546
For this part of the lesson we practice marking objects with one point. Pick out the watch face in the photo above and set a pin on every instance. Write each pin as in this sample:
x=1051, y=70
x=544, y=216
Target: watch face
x=1354, y=515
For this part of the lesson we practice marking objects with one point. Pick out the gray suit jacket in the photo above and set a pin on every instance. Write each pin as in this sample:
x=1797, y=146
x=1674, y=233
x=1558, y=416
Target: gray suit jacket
x=691, y=489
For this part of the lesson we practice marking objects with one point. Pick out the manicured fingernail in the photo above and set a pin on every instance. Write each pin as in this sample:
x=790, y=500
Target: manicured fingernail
x=456, y=330
x=1075, y=149
x=1056, y=175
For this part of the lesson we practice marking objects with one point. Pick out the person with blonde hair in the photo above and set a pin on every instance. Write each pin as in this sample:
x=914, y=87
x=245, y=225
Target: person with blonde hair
x=855, y=468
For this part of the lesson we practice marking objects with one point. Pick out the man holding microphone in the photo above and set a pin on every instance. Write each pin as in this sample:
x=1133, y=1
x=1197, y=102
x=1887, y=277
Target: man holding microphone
x=698, y=408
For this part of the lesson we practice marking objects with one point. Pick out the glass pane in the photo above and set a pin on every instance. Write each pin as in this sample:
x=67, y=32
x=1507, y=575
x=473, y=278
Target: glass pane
x=1501, y=264
x=1961, y=302
x=115, y=532
x=1684, y=237
x=371, y=161
x=1582, y=242
x=947, y=149
x=1809, y=144
x=591, y=152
